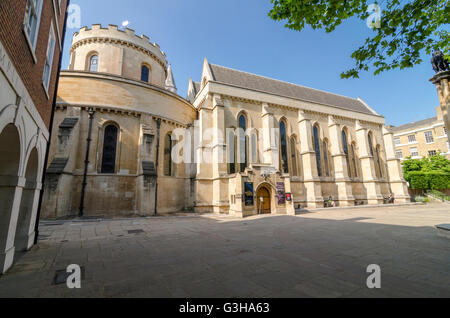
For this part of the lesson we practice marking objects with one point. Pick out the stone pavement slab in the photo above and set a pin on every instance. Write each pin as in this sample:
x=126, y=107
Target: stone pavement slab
x=320, y=254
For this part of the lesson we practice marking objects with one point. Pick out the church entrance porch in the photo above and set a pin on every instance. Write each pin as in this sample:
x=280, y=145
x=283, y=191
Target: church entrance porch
x=263, y=200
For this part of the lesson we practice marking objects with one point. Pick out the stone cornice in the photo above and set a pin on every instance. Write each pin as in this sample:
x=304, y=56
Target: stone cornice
x=117, y=78
x=440, y=76
x=122, y=111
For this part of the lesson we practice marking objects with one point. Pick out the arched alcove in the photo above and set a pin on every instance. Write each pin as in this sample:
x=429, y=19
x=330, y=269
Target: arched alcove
x=9, y=170
x=28, y=203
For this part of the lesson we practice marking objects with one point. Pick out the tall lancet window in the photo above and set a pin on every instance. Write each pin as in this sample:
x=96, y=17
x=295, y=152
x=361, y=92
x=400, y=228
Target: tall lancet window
x=355, y=166
x=326, y=162
x=231, y=145
x=346, y=152
x=254, y=146
x=145, y=72
x=109, y=149
x=243, y=144
x=283, y=148
x=93, y=63
x=294, y=157
x=317, y=149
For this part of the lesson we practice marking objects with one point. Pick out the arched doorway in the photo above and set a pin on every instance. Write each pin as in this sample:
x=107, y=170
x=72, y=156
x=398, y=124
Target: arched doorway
x=263, y=200
x=28, y=203
x=9, y=170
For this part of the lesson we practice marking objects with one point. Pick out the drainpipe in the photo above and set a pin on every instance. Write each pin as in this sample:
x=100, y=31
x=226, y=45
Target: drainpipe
x=52, y=117
x=86, y=162
x=158, y=129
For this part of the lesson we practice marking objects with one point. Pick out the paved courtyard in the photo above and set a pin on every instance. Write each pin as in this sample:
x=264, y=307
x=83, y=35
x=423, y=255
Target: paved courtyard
x=316, y=254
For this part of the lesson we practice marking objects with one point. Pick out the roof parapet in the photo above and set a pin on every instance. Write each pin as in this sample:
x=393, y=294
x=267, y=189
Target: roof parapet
x=113, y=31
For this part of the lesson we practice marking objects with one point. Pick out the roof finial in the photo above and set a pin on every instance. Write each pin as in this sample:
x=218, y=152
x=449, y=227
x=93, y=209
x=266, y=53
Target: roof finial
x=170, y=82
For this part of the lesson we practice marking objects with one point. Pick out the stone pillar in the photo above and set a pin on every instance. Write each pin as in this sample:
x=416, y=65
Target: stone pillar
x=342, y=179
x=442, y=82
x=203, y=142
x=146, y=180
x=219, y=150
x=237, y=207
x=219, y=145
x=28, y=211
x=10, y=194
x=311, y=179
x=396, y=181
x=370, y=181
x=270, y=149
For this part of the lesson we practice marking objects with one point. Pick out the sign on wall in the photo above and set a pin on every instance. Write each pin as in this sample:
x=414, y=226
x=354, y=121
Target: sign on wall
x=281, y=193
x=248, y=193
x=288, y=197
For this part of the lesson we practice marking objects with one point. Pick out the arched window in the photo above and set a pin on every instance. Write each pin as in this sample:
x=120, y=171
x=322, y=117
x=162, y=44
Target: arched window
x=231, y=142
x=294, y=156
x=345, y=146
x=145, y=73
x=325, y=158
x=355, y=166
x=243, y=144
x=254, y=146
x=93, y=63
x=109, y=149
x=283, y=148
x=168, y=155
x=317, y=149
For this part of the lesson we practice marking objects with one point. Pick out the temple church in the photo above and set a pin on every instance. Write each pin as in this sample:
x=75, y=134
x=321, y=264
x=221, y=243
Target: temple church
x=249, y=144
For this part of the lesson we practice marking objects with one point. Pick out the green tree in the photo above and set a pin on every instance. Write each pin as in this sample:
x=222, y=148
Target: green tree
x=429, y=165
x=436, y=163
x=410, y=165
x=408, y=28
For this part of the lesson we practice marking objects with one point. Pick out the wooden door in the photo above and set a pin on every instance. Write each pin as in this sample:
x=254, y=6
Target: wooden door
x=263, y=199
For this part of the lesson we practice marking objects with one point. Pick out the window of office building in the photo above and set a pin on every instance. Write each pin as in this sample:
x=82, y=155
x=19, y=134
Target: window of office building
x=429, y=137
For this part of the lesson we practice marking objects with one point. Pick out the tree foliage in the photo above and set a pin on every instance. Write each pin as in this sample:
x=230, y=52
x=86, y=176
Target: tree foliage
x=408, y=28
x=427, y=173
x=432, y=180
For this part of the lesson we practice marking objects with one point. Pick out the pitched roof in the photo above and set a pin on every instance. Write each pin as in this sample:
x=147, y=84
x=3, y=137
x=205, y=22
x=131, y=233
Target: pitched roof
x=414, y=124
x=272, y=86
x=197, y=87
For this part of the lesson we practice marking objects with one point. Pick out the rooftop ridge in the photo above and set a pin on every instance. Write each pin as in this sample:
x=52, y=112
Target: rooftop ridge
x=430, y=119
x=285, y=82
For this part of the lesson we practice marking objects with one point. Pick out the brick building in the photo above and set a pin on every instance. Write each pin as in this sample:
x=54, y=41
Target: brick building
x=31, y=40
x=427, y=137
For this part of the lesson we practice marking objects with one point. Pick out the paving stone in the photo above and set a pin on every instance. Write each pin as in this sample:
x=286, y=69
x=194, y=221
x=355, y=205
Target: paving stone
x=321, y=254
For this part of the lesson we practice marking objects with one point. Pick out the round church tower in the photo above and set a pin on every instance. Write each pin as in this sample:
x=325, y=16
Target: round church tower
x=119, y=94
x=123, y=53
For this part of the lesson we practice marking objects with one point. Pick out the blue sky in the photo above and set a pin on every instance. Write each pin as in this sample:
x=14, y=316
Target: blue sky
x=239, y=34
